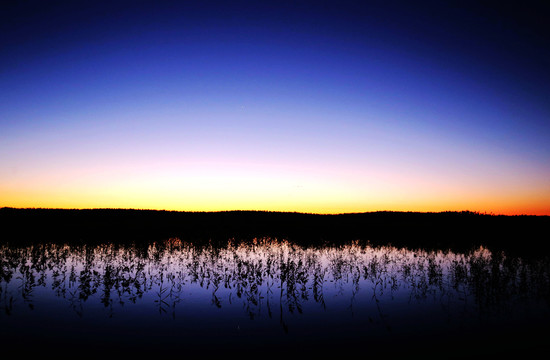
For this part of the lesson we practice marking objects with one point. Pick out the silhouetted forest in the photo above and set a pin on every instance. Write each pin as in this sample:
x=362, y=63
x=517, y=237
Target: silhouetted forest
x=411, y=229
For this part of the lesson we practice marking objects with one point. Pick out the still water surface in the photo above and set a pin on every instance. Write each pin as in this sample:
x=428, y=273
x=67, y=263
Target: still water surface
x=267, y=295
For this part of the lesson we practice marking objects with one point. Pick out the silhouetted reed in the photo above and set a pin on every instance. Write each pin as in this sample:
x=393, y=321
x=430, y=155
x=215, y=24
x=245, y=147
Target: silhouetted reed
x=267, y=274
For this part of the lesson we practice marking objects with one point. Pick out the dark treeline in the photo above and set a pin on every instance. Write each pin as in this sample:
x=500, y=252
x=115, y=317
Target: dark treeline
x=452, y=230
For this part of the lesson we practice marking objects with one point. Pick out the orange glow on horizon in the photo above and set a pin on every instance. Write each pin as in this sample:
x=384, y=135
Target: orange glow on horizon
x=323, y=117
x=319, y=207
x=219, y=187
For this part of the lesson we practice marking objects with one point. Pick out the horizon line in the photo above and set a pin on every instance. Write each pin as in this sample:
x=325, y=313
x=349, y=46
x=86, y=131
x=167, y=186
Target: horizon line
x=276, y=211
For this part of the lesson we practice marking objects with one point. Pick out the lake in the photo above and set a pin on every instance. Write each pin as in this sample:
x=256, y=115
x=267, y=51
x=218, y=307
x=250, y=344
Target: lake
x=270, y=296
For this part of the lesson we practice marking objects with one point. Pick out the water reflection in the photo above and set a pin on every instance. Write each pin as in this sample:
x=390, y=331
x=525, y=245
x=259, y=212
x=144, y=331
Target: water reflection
x=365, y=290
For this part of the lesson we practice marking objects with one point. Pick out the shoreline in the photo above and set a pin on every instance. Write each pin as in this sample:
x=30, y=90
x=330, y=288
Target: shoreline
x=411, y=229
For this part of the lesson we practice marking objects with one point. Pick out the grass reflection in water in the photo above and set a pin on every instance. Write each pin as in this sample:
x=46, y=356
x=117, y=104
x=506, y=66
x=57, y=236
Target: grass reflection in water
x=301, y=289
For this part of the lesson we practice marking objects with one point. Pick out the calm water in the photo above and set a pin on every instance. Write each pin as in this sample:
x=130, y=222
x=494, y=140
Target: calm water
x=266, y=296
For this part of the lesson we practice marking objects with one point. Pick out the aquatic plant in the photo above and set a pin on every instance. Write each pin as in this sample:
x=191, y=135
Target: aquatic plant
x=265, y=274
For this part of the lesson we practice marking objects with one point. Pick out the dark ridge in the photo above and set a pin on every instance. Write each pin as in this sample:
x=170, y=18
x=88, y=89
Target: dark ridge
x=443, y=230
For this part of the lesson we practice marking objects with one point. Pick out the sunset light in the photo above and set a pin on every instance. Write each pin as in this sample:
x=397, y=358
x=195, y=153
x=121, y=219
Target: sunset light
x=281, y=179
x=334, y=109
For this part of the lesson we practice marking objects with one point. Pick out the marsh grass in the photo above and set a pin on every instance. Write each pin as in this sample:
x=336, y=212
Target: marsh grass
x=250, y=272
x=279, y=282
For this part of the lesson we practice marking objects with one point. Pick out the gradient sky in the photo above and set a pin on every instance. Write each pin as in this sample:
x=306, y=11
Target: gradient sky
x=325, y=106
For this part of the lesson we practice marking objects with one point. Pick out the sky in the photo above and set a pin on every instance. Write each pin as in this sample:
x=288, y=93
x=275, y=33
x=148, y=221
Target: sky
x=319, y=106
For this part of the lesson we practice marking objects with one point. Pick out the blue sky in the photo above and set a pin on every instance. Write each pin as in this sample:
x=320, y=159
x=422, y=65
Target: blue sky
x=365, y=106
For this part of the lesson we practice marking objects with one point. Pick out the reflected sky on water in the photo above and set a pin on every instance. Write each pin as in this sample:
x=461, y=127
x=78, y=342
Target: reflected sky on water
x=265, y=294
